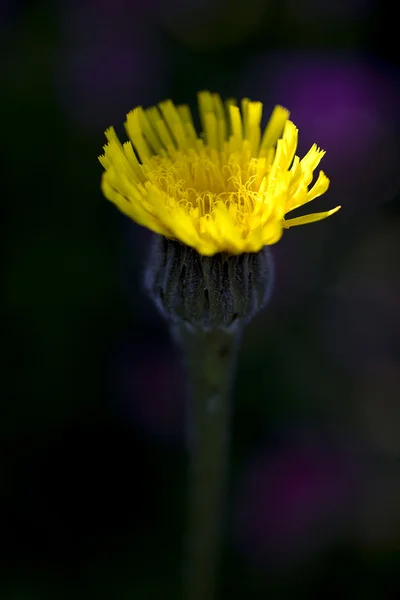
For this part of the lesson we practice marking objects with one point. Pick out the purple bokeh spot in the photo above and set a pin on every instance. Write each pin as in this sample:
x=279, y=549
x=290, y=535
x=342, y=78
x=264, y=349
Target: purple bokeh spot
x=106, y=82
x=291, y=503
x=148, y=391
x=109, y=62
x=348, y=106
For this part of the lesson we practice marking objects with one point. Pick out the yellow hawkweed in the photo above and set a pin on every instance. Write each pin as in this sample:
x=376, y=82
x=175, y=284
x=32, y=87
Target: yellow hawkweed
x=227, y=190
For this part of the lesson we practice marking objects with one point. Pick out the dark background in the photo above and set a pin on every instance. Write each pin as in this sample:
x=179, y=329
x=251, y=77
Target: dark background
x=92, y=456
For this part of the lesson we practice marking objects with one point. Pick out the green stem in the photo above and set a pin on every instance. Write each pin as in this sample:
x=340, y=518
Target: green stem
x=209, y=358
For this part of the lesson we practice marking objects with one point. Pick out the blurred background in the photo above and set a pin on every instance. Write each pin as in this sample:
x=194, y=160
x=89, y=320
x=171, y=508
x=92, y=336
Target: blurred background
x=92, y=454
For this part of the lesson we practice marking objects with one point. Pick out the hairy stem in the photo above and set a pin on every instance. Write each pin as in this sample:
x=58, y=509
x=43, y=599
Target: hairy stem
x=209, y=358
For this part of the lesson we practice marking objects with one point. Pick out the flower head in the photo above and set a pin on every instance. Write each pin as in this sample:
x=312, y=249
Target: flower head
x=227, y=190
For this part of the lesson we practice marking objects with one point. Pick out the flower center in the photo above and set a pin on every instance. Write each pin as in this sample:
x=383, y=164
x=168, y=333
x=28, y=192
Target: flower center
x=200, y=181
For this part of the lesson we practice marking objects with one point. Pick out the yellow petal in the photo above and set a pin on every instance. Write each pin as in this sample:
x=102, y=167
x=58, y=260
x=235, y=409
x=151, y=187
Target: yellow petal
x=302, y=197
x=273, y=129
x=311, y=218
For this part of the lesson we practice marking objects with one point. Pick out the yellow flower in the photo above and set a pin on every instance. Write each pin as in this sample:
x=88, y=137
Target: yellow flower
x=227, y=190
